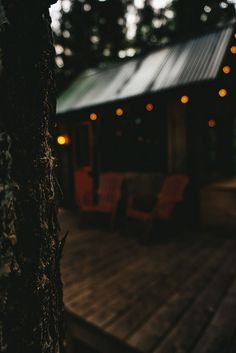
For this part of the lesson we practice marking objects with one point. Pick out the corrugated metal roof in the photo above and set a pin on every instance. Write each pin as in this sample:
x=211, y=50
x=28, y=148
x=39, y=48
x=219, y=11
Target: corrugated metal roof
x=195, y=60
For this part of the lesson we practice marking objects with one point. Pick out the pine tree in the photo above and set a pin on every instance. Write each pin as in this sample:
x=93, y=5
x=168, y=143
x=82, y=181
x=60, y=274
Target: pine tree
x=155, y=27
x=94, y=31
x=30, y=285
x=193, y=17
x=91, y=32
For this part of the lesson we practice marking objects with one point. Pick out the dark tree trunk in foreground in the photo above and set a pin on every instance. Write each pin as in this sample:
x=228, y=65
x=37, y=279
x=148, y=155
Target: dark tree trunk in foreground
x=30, y=285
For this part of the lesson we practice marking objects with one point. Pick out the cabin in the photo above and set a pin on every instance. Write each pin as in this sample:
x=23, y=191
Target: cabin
x=143, y=119
x=171, y=111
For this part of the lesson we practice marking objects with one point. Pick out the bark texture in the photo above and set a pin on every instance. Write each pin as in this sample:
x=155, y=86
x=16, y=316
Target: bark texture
x=30, y=287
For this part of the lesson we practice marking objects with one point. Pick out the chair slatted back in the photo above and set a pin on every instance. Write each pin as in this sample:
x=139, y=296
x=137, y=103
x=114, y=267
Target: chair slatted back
x=171, y=193
x=83, y=188
x=110, y=188
x=173, y=188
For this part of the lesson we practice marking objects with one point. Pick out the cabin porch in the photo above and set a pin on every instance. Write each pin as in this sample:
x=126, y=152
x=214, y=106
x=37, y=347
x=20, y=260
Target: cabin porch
x=175, y=295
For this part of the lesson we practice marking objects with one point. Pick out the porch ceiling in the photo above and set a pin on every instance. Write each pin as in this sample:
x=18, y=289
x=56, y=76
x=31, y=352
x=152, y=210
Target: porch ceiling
x=192, y=61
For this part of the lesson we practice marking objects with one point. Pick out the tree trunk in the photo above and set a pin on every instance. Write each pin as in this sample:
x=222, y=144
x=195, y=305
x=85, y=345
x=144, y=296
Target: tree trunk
x=31, y=307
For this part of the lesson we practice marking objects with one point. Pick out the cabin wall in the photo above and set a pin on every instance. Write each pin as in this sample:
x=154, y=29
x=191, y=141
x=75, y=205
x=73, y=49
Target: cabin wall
x=177, y=137
x=172, y=138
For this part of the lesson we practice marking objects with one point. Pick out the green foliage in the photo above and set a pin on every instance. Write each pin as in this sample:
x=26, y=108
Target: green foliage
x=154, y=27
x=193, y=17
x=95, y=31
x=90, y=32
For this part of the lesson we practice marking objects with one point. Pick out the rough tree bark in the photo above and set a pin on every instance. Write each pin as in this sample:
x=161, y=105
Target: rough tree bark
x=30, y=287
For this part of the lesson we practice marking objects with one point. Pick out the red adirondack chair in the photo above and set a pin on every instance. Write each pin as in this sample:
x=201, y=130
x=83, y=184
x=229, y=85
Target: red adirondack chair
x=109, y=194
x=83, y=189
x=170, y=194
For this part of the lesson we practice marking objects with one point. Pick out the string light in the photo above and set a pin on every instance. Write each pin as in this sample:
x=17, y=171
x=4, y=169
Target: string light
x=233, y=49
x=212, y=123
x=222, y=92
x=226, y=69
x=149, y=107
x=119, y=112
x=63, y=140
x=93, y=116
x=184, y=99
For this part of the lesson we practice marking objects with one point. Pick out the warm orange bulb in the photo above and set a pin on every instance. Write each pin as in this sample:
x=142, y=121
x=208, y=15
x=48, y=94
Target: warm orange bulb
x=233, y=49
x=149, y=107
x=211, y=123
x=63, y=140
x=235, y=35
x=184, y=99
x=222, y=92
x=226, y=69
x=119, y=112
x=93, y=116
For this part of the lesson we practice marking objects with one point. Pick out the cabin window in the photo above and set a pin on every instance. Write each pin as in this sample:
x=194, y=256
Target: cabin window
x=137, y=142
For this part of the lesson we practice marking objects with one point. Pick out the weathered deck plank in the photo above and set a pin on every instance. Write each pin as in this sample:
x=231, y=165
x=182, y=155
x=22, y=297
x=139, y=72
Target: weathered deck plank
x=123, y=297
x=157, y=292
x=187, y=331
x=218, y=335
x=129, y=282
x=165, y=318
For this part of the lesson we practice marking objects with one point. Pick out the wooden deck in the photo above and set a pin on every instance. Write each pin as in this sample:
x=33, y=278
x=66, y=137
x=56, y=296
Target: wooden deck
x=176, y=296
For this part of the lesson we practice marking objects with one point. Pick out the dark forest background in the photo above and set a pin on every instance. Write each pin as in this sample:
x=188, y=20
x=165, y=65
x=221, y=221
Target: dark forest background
x=96, y=32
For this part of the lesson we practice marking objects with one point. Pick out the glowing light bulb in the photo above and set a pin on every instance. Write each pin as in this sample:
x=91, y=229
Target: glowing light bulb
x=63, y=140
x=233, y=49
x=93, y=116
x=226, y=69
x=222, y=92
x=119, y=112
x=184, y=99
x=211, y=123
x=149, y=107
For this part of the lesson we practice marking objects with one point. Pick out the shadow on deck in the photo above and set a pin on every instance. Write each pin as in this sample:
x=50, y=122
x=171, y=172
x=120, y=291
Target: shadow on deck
x=176, y=296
